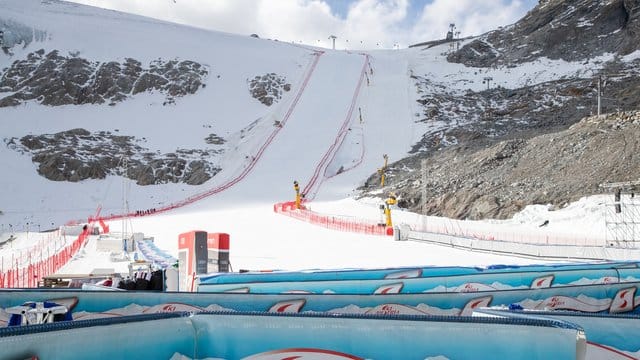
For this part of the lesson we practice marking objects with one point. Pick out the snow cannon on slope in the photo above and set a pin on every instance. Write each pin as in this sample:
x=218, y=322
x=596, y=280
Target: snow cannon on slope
x=386, y=213
x=299, y=196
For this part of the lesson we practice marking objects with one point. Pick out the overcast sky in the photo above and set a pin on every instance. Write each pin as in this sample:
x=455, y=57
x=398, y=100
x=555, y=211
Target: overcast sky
x=357, y=24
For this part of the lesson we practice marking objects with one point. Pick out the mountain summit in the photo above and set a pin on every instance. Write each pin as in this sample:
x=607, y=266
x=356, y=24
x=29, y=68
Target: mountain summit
x=506, y=146
x=570, y=30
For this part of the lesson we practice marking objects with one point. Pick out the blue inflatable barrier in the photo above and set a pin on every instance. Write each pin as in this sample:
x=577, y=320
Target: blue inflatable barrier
x=404, y=272
x=311, y=336
x=454, y=283
x=609, y=336
x=598, y=298
x=473, y=281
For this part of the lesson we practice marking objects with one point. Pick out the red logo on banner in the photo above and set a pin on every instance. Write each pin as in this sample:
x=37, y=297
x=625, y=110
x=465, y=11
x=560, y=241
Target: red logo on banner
x=169, y=308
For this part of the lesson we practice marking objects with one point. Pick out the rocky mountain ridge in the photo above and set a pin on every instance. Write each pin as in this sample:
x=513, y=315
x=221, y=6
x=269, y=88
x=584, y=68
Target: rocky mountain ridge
x=571, y=30
x=53, y=79
x=497, y=181
x=500, y=149
x=487, y=153
x=498, y=111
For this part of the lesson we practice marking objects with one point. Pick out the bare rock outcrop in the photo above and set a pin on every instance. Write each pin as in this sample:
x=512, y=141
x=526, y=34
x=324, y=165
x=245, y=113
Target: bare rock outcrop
x=78, y=154
x=570, y=30
x=499, y=180
x=53, y=79
x=268, y=88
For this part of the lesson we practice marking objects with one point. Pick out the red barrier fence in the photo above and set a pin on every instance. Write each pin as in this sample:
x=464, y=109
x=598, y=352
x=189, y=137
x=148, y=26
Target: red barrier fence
x=332, y=222
x=443, y=226
x=28, y=268
x=314, y=183
x=25, y=272
x=254, y=159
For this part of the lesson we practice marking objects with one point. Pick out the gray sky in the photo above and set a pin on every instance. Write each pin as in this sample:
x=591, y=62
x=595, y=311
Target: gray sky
x=358, y=24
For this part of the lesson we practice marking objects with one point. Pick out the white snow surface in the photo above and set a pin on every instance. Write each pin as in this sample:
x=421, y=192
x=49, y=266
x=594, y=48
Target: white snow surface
x=260, y=238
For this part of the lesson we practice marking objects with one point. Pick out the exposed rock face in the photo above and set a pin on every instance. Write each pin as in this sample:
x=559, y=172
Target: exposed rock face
x=499, y=180
x=52, y=79
x=78, y=154
x=491, y=152
x=497, y=112
x=268, y=88
x=559, y=29
x=632, y=28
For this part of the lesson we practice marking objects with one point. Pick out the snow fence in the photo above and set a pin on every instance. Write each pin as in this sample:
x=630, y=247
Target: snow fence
x=355, y=225
x=27, y=268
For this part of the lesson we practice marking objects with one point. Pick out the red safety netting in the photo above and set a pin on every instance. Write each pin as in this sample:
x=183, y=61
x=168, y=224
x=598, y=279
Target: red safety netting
x=28, y=267
x=361, y=226
x=26, y=273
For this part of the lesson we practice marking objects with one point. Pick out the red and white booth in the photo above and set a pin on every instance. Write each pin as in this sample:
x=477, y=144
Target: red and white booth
x=201, y=253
